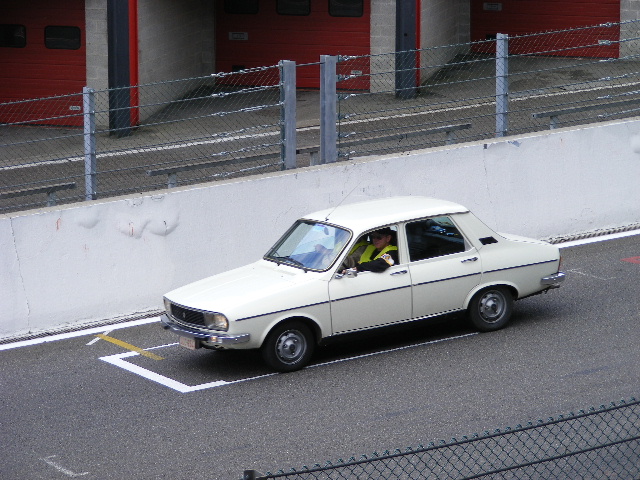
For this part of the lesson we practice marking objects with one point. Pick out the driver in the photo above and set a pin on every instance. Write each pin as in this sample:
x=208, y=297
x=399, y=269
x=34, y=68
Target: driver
x=380, y=254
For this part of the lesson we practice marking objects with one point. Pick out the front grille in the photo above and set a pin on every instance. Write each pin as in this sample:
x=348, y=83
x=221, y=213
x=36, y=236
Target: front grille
x=187, y=316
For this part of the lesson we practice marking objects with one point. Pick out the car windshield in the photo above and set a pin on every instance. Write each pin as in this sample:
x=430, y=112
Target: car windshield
x=309, y=245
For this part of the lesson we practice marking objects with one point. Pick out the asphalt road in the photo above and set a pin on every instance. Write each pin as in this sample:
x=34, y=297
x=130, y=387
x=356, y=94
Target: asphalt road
x=91, y=407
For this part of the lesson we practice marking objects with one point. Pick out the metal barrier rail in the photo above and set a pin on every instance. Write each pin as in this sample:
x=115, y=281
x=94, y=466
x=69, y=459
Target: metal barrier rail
x=592, y=444
x=554, y=114
x=50, y=190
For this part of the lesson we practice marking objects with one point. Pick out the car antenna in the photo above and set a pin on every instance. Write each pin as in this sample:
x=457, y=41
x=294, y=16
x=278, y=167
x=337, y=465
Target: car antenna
x=340, y=202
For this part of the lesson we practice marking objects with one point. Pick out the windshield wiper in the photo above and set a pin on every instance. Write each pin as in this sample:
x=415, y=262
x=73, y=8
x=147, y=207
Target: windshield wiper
x=290, y=260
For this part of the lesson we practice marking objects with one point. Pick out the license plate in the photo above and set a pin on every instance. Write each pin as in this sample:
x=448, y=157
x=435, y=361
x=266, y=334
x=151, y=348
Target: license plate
x=190, y=343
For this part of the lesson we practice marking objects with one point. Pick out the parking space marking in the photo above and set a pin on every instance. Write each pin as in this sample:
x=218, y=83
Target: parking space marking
x=118, y=360
x=128, y=346
x=580, y=272
x=97, y=339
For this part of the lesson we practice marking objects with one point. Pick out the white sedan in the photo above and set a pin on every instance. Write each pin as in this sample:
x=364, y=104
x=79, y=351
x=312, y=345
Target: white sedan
x=315, y=283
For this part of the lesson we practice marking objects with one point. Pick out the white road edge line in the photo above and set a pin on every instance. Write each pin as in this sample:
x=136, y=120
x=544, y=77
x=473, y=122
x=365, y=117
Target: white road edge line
x=118, y=360
x=602, y=238
x=78, y=333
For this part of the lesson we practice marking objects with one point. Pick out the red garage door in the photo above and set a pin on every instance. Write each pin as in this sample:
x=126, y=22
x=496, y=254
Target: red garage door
x=42, y=53
x=518, y=17
x=256, y=33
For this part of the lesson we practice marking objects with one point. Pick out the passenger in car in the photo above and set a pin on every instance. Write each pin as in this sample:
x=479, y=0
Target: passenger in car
x=381, y=254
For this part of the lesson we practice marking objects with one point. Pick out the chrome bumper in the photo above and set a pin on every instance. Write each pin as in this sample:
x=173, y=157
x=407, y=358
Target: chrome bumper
x=553, y=281
x=211, y=337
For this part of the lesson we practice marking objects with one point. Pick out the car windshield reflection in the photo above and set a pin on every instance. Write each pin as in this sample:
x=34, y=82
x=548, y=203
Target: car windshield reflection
x=309, y=245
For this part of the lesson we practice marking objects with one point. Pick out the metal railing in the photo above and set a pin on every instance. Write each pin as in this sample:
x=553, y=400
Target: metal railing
x=590, y=444
x=181, y=132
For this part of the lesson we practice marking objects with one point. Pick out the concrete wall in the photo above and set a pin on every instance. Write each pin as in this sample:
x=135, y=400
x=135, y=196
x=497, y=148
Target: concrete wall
x=102, y=259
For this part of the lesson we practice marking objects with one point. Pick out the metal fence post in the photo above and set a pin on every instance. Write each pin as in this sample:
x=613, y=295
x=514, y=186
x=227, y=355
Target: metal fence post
x=502, y=84
x=288, y=114
x=328, y=109
x=90, y=166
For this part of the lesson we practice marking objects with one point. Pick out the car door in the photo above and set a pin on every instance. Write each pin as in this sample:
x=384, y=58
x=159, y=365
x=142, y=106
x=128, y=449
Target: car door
x=370, y=299
x=444, y=266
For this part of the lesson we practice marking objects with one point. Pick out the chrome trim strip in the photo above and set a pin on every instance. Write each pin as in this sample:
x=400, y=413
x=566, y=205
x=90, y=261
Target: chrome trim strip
x=210, y=337
x=279, y=311
x=520, y=266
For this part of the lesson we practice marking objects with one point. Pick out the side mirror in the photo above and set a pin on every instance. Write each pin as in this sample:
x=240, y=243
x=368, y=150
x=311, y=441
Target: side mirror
x=349, y=273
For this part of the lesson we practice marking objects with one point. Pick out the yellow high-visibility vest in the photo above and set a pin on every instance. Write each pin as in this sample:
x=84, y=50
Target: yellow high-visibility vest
x=366, y=255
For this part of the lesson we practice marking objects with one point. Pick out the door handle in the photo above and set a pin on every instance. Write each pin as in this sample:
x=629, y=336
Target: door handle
x=400, y=272
x=472, y=259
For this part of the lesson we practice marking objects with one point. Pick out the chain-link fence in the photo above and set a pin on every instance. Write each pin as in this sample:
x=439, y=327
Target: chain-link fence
x=97, y=144
x=503, y=86
x=594, y=444
x=142, y=138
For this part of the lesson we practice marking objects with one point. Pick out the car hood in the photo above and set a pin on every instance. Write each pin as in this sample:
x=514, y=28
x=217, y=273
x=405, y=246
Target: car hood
x=252, y=290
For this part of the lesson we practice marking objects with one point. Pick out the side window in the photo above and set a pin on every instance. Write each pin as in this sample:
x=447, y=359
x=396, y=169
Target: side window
x=293, y=7
x=346, y=8
x=14, y=36
x=246, y=7
x=433, y=237
x=62, y=38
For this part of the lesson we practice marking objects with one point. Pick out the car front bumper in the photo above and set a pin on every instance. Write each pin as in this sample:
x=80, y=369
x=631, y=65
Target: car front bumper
x=210, y=338
x=553, y=281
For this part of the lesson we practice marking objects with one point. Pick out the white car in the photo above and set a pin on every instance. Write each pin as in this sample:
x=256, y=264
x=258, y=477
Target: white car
x=302, y=291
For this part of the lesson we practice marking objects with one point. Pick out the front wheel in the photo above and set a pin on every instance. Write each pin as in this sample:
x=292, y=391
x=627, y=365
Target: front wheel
x=490, y=309
x=288, y=347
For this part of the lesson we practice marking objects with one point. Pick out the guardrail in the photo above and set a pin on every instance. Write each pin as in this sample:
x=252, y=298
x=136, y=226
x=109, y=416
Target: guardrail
x=49, y=190
x=590, y=444
x=554, y=114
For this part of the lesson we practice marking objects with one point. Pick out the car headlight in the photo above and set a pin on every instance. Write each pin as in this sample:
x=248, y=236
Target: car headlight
x=216, y=321
x=167, y=305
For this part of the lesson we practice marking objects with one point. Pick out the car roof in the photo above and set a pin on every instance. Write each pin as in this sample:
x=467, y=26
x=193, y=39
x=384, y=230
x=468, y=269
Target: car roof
x=364, y=216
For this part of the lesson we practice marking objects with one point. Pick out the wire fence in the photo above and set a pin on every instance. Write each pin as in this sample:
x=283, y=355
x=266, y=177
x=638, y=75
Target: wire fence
x=140, y=138
x=592, y=444
x=498, y=87
x=98, y=144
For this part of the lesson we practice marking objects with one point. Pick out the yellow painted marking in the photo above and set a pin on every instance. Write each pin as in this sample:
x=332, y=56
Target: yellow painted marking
x=128, y=346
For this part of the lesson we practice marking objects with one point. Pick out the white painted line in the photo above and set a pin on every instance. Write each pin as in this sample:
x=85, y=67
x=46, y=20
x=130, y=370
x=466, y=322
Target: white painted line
x=118, y=361
x=97, y=339
x=61, y=469
x=601, y=238
x=78, y=333
x=430, y=342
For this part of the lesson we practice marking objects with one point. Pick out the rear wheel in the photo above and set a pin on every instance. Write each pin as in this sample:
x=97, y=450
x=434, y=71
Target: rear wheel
x=288, y=347
x=490, y=309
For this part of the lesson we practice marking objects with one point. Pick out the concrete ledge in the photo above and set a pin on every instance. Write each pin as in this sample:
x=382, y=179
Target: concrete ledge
x=112, y=258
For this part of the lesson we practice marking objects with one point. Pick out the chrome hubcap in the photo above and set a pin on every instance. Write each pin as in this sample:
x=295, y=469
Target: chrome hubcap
x=291, y=346
x=492, y=307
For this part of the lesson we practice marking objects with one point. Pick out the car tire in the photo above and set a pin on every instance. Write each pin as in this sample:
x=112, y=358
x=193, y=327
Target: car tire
x=490, y=309
x=288, y=347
